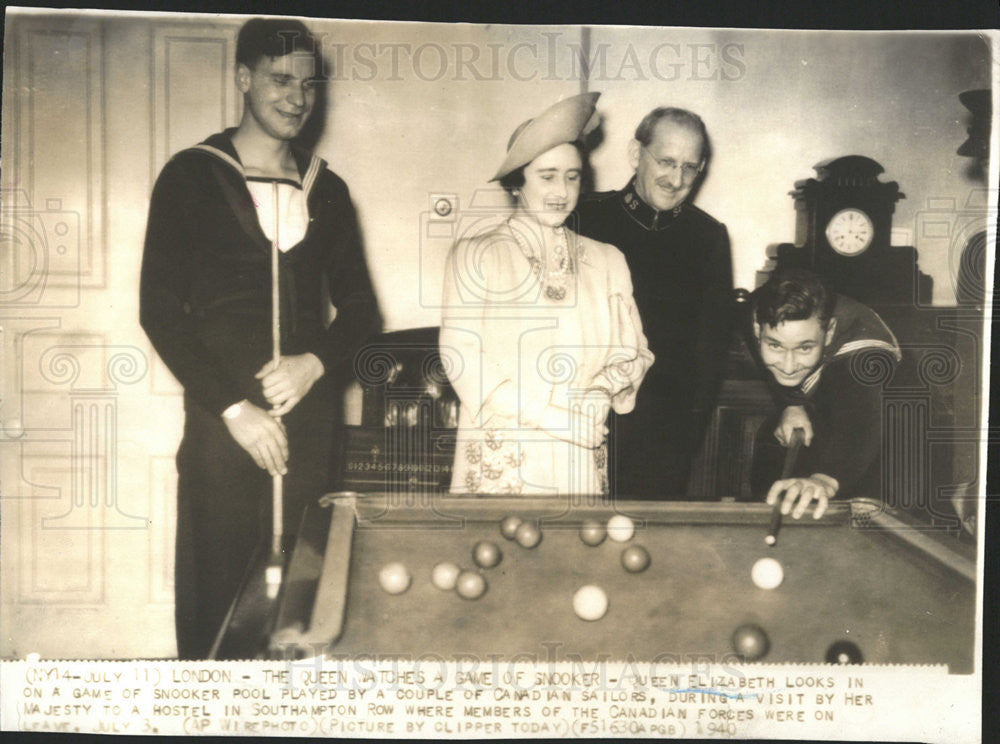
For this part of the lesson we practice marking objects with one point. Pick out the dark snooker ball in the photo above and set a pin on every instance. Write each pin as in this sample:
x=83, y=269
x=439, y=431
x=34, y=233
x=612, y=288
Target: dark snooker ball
x=486, y=554
x=527, y=535
x=509, y=525
x=635, y=559
x=592, y=532
x=843, y=652
x=750, y=642
x=470, y=585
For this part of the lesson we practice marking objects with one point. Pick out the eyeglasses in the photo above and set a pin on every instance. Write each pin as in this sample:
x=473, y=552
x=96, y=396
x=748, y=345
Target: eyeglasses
x=689, y=171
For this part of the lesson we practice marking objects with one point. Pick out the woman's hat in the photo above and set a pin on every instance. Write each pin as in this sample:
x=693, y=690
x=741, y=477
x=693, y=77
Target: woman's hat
x=562, y=122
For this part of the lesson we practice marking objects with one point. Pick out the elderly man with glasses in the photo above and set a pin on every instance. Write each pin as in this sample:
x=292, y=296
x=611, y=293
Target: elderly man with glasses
x=681, y=268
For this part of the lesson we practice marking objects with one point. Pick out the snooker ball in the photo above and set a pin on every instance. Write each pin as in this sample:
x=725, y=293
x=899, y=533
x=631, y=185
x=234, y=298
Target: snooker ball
x=590, y=602
x=635, y=559
x=750, y=642
x=767, y=573
x=843, y=652
x=527, y=535
x=509, y=525
x=486, y=554
x=592, y=532
x=620, y=528
x=394, y=578
x=470, y=585
x=444, y=575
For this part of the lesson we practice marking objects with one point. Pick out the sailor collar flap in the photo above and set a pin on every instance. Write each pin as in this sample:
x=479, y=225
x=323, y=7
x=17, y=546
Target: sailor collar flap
x=231, y=179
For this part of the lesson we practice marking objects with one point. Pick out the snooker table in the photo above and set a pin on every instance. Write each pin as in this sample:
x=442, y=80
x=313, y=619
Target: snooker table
x=860, y=573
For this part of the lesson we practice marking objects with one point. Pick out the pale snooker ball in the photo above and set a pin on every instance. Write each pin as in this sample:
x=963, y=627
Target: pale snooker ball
x=394, y=578
x=470, y=585
x=767, y=573
x=590, y=602
x=527, y=535
x=620, y=528
x=445, y=575
x=486, y=554
x=592, y=533
x=509, y=525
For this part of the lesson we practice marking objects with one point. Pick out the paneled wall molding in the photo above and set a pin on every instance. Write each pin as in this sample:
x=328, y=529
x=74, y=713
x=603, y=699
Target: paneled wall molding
x=192, y=72
x=58, y=167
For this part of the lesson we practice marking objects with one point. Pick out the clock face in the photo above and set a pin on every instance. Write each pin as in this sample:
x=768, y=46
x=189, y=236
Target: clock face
x=850, y=232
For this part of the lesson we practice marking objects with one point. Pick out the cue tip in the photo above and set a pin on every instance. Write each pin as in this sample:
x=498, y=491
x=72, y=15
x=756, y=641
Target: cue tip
x=772, y=533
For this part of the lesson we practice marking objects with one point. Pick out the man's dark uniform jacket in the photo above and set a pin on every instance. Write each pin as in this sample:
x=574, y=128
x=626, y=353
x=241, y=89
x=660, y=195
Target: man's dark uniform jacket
x=843, y=399
x=682, y=279
x=206, y=306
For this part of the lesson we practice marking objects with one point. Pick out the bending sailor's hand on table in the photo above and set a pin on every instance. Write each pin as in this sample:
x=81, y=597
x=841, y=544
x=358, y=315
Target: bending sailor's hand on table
x=801, y=493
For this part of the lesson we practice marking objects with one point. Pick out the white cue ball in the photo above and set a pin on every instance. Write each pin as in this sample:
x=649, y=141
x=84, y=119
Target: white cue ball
x=767, y=573
x=394, y=578
x=620, y=528
x=444, y=575
x=590, y=602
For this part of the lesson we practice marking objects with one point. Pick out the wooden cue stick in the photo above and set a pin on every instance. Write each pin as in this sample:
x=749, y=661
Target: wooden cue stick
x=277, y=482
x=798, y=434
